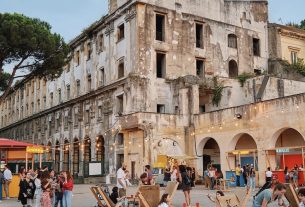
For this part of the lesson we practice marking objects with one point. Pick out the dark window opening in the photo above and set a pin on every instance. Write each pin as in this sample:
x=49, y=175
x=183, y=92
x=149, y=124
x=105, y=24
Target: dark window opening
x=89, y=51
x=120, y=139
x=257, y=71
x=199, y=35
x=202, y=109
x=102, y=81
x=160, y=28
x=233, y=69
x=256, y=47
x=120, y=104
x=200, y=68
x=89, y=82
x=232, y=41
x=161, y=65
x=161, y=108
x=121, y=70
x=121, y=32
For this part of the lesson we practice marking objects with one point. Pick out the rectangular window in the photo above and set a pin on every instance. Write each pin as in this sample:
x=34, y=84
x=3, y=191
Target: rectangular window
x=68, y=92
x=51, y=99
x=87, y=117
x=89, y=82
x=161, y=108
x=160, y=27
x=102, y=77
x=38, y=105
x=294, y=57
x=101, y=43
x=121, y=32
x=200, y=68
x=59, y=96
x=121, y=70
x=120, y=104
x=161, y=65
x=44, y=102
x=89, y=51
x=256, y=47
x=77, y=87
x=202, y=109
x=77, y=58
x=199, y=35
x=100, y=112
x=120, y=139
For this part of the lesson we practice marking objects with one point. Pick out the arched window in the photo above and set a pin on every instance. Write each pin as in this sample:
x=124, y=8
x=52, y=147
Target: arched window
x=66, y=150
x=76, y=156
x=232, y=41
x=233, y=69
x=100, y=149
x=57, y=157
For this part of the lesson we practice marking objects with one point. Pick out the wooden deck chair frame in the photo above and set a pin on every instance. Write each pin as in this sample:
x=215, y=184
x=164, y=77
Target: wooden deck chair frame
x=171, y=188
x=291, y=195
x=106, y=199
x=229, y=197
x=95, y=191
x=142, y=199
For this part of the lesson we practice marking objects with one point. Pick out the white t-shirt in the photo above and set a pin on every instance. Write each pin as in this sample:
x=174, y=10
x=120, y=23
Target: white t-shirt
x=163, y=205
x=120, y=175
x=268, y=174
x=7, y=174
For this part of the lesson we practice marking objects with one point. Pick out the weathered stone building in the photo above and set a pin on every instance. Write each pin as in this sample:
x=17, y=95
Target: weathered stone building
x=142, y=82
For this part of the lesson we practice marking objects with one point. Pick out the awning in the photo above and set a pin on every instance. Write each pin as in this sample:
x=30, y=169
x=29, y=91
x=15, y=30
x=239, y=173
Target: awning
x=182, y=157
x=9, y=143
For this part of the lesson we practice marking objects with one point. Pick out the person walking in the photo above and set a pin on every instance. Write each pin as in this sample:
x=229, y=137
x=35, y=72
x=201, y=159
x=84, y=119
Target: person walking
x=7, y=174
x=286, y=174
x=67, y=189
x=295, y=176
x=167, y=177
x=121, y=184
x=23, y=186
x=237, y=173
x=193, y=177
x=269, y=175
x=38, y=190
x=252, y=178
x=186, y=182
x=244, y=174
x=30, y=189
x=212, y=175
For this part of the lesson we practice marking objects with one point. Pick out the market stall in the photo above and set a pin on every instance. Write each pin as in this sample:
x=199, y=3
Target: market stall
x=242, y=157
x=281, y=157
x=16, y=154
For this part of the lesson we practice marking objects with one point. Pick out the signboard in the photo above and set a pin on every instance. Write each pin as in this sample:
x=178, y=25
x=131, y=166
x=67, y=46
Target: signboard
x=34, y=149
x=95, y=168
x=282, y=150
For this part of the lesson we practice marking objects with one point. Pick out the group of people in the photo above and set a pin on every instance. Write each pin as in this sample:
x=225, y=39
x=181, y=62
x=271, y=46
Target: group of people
x=249, y=175
x=182, y=174
x=45, y=188
x=212, y=177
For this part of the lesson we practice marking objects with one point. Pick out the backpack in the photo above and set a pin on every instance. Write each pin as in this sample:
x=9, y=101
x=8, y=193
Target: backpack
x=186, y=180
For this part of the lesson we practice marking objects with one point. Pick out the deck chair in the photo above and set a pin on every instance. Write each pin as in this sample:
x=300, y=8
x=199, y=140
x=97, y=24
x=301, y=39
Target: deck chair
x=171, y=188
x=228, y=201
x=102, y=198
x=143, y=201
x=151, y=194
x=291, y=195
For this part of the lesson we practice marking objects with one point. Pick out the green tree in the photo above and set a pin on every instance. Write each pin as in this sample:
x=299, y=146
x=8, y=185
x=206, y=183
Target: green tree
x=29, y=45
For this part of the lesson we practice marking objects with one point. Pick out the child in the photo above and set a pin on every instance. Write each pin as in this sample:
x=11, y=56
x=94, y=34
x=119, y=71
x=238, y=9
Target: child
x=114, y=195
x=301, y=195
x=165, y=201
x=218, y=193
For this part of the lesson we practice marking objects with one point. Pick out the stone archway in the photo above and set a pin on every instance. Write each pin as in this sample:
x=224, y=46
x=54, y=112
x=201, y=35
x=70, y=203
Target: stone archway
x=66, y=158
x=209, y=152
x=233, y=69
x=76, y=146
x=288, y=143
x=87, y=155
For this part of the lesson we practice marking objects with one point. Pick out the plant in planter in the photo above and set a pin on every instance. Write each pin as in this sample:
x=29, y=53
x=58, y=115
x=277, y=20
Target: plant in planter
x=217, y=92
x=243, y=77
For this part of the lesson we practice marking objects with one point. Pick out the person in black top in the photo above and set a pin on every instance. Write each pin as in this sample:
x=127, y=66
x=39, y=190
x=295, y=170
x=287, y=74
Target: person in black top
x=185, y=179
x=23, y=185
x=30, y=189
x=193, y=177
x=167, y=176
x=114, y=195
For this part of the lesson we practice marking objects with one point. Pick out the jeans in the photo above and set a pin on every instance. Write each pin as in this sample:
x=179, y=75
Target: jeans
x=67, y=199
x=212, y=182
x=237, y=180
x=58, y=202
x=252, y=183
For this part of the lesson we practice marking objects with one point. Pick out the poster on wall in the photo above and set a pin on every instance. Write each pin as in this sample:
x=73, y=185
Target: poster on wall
x=95, y=168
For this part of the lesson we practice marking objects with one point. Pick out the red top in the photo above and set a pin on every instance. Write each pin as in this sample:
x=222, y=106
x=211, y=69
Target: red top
x=68, y=185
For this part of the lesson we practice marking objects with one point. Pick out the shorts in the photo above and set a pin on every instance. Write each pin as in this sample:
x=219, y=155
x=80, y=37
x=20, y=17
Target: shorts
x=122, y=192
x=186, y=188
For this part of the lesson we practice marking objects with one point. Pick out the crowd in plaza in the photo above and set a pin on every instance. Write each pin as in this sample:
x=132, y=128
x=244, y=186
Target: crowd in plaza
x=41, y=188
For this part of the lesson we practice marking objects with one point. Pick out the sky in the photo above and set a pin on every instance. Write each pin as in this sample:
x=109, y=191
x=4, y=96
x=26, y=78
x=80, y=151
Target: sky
x=70, y=17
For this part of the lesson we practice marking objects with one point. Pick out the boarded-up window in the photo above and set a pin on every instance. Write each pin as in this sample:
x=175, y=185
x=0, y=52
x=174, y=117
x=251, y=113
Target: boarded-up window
x=232, y=41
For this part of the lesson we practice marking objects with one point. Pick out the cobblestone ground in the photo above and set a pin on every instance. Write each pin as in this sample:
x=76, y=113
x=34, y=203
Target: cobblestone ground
x=82, y=197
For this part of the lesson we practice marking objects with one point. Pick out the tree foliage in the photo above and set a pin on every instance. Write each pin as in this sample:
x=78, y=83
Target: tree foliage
x=4, y=79
x=30, y=46
x=301, y=25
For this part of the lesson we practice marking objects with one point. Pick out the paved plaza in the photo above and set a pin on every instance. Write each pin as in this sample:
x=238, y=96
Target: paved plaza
x=82, y=197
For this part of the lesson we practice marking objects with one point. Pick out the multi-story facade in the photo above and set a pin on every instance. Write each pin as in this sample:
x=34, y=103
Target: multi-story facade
x=136, y=80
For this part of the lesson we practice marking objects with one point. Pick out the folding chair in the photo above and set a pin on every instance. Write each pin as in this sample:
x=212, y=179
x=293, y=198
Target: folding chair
x=102, y=198
x=171, y=188
x=228, y=201
x=143, y=201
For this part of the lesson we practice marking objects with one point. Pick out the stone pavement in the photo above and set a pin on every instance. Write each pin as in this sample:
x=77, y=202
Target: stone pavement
x=82, y=197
